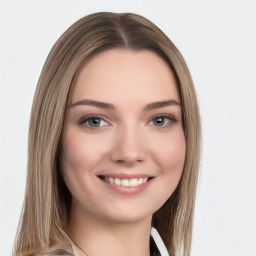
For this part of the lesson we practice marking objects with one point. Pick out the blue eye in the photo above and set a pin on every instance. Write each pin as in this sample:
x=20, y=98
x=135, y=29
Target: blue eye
x=162, y=120
x=93, y=122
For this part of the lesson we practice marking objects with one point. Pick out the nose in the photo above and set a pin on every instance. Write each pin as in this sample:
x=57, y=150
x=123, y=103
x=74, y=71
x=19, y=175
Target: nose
x=129, y=147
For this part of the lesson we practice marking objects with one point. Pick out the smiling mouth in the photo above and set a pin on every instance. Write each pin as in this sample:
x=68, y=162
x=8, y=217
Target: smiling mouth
x=134, y=182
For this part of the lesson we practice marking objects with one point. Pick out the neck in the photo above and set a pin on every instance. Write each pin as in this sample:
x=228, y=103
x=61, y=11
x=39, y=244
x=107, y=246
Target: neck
x=97, y=236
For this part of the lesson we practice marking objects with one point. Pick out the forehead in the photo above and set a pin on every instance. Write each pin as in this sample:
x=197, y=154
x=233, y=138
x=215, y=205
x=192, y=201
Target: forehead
x=125, y=75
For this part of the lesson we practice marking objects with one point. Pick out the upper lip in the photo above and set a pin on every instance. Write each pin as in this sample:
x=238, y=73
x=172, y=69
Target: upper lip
x=125, y=175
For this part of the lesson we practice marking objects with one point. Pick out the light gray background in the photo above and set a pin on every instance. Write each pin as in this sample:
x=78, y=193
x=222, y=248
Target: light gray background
x=218, y=41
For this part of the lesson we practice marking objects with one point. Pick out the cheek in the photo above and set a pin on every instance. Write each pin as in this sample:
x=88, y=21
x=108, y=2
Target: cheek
x=173, y=155
x=80, y=154
x=78, y=158
x=80, y=151
x=170, y=155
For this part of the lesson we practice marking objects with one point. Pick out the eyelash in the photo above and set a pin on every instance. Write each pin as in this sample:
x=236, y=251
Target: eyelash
x=86, y=119
x=171, y=120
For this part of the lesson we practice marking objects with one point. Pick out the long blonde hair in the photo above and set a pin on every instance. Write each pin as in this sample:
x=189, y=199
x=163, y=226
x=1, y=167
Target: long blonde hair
x=47, y=199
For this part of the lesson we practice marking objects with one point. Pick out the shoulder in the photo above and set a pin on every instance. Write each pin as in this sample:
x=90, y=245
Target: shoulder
x=71, y=250
x=58, y=252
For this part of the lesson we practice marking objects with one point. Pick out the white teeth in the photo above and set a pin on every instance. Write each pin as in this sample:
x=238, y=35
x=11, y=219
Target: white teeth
x=118, y=181
x=126, y=182
x=134, y=182
x=111, y=181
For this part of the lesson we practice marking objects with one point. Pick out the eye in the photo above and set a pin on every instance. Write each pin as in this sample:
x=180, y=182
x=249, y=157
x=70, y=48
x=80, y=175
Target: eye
x=162, y=120
x=93, y=122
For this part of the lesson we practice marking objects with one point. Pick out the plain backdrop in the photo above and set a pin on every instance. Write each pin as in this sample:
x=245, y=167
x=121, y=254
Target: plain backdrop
x=218, y=41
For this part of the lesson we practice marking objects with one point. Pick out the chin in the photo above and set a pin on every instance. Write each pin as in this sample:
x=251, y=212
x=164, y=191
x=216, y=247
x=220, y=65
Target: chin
x=127, y=218
x=127, y=215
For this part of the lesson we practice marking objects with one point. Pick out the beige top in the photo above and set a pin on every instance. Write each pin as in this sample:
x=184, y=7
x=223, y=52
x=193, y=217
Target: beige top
x=58, y=251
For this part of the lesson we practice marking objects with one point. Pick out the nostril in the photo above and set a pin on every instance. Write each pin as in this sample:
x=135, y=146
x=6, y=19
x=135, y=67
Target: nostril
x=128, y=154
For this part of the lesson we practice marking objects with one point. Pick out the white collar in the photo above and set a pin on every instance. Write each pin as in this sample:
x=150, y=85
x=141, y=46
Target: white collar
x=159, y=242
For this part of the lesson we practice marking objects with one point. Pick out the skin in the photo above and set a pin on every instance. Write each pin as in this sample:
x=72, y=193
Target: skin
x=128, y=141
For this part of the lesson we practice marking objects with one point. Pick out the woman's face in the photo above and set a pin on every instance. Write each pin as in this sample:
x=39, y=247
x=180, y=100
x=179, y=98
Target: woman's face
x=123, y=147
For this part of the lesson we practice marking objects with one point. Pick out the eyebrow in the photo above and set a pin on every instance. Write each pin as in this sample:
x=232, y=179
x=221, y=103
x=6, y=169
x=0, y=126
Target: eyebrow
x=95, y=103
x=104, y=105
x=161, y=104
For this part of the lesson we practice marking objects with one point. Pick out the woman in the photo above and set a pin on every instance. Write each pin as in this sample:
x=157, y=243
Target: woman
x=114, y=144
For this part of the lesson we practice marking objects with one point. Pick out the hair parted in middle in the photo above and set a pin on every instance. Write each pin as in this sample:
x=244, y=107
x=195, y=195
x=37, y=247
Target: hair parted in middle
x=47, y=201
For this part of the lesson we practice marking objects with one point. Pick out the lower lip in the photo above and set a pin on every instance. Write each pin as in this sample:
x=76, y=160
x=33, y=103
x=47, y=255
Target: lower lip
x=127, y=190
